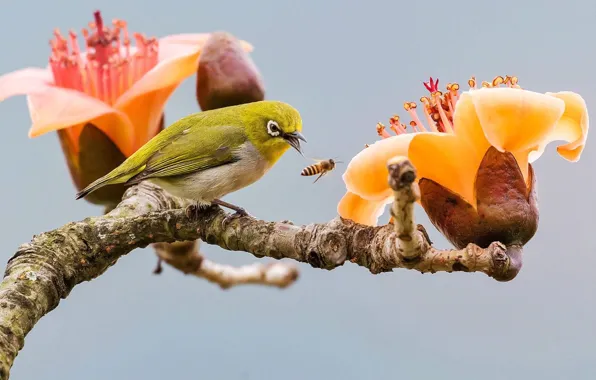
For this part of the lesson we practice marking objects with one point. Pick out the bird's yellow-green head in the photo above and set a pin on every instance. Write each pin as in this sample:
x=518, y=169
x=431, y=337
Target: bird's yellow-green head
x=273, y=127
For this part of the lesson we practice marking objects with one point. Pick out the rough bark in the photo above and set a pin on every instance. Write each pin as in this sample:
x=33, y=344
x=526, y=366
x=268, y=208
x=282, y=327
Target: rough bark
x=45, y=270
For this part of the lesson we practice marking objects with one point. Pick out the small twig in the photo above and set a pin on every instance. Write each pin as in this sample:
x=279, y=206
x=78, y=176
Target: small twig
x=277, y=275
x=411, y=241
x=192, y=262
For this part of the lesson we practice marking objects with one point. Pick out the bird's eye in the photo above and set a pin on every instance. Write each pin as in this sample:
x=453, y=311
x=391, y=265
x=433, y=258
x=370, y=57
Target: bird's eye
x=273, y=128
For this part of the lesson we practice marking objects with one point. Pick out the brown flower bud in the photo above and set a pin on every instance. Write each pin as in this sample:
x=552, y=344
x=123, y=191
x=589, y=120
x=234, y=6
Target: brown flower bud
x=507, y=209
x=227, y=75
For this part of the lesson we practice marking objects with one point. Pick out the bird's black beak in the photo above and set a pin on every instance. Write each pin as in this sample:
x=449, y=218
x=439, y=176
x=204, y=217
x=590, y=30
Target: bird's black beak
x=294, y=140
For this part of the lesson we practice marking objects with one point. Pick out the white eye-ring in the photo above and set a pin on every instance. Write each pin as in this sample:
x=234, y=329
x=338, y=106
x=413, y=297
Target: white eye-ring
x=273, y=128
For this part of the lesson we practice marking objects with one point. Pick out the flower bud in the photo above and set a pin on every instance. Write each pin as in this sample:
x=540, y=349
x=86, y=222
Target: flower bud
x=507, y=208
x=226, y=76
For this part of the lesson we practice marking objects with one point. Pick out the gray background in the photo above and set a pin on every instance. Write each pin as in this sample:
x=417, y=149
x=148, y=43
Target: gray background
x=345, y=66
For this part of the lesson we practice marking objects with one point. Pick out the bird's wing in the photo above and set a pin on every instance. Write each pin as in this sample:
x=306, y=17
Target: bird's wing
x=193, y=142
x=192, y=150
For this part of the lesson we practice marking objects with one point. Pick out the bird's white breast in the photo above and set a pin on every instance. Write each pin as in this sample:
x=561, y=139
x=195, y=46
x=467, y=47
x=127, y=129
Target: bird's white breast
x=210, y=184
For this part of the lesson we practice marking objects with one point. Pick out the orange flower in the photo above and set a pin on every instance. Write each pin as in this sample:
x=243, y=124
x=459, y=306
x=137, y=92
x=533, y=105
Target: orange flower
x=112, y=87
x=466, y=153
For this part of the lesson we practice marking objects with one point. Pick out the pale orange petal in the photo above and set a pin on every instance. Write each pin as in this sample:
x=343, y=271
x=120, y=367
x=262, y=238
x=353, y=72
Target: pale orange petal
x=360, y=210
x=572, y=126
x=367, y=175
x=516, y=120
x=57, y=108
x=448, y=160
x=145, y=112
x=523, y=159
x=467, y=125
x=25, y=81
x=181, y=63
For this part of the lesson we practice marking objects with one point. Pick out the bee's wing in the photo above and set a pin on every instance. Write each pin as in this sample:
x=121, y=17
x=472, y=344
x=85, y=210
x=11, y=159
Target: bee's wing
x=317, y=160
x=320, y=175
x=325, y=159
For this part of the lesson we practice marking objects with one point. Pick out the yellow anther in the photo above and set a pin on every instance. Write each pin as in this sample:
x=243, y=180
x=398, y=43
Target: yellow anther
x=486, y=84
x=413, y=105
x=472, y=82
x=380, y=127
x=424, y=100
x=454, y=87
x=498, y=81
x=407, y=106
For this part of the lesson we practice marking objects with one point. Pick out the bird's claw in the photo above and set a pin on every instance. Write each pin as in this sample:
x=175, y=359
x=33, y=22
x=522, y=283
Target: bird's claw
x=238, y=214
x=194, y=210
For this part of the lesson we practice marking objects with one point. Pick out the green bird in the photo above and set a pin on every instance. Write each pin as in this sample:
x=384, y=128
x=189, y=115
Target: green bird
x=207, y=155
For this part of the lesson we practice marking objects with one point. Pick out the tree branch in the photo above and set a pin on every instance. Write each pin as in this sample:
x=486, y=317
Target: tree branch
x=45, y=270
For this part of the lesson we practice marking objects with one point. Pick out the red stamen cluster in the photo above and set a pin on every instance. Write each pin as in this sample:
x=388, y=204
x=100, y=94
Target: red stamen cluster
x=109, y=67
x=438, y=107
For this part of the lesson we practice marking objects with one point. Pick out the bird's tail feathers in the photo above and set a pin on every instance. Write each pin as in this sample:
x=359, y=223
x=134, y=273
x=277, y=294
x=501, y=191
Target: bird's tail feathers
x=103, y=181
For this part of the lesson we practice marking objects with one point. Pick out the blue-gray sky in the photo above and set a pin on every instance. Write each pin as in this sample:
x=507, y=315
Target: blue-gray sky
x=345, y=65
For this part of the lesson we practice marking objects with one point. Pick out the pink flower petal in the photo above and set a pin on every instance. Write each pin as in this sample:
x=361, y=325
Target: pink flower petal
x=179, y=44
x=24, y=81
x=169, y=44
x=180, y=63
x=57, y=108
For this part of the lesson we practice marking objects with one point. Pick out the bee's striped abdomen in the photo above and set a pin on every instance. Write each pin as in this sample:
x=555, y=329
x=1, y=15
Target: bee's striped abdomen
x=311, y=170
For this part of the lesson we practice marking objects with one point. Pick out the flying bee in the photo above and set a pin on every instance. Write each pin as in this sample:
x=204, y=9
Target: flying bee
x=321, y=168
